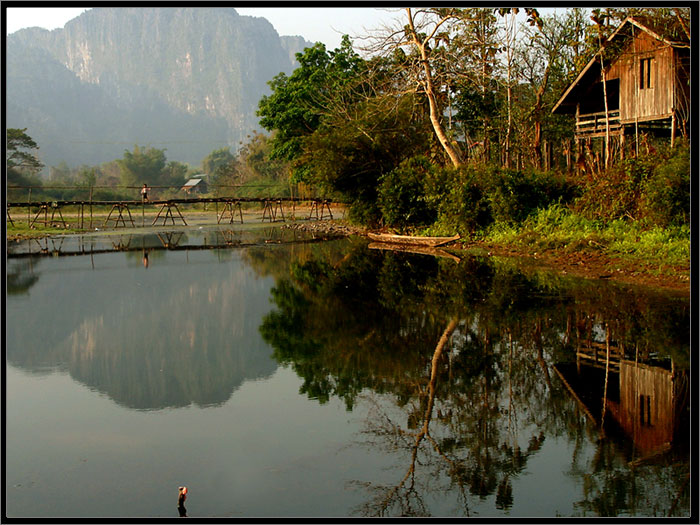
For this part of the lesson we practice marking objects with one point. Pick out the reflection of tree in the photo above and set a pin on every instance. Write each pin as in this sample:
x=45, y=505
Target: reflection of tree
x=471, y=447
x=466, y=417
x=21, y=276
x=408, y=481
x=612, y=486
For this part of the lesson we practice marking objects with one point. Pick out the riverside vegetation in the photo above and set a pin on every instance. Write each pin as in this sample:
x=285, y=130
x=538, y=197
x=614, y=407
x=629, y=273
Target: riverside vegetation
x=440, y=132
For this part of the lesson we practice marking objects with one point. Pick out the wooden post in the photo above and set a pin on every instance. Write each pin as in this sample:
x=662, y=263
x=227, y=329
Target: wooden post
x=607, y=370
x=91, y=207
x=673, y=128
x=29, y=208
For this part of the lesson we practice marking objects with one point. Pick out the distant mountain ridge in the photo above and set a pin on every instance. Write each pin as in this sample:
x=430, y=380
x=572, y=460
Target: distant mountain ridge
x=184, y=79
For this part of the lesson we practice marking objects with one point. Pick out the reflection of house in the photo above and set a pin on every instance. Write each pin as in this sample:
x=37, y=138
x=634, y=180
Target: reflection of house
x=647, y=81
x=195, y=185
x=645, y=411
x=648, y=403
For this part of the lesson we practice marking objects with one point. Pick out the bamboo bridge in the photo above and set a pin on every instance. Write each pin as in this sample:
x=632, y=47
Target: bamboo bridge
x=120, y=211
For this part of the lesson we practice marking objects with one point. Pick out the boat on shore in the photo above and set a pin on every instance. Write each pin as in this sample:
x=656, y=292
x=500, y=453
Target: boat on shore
x=412, y=240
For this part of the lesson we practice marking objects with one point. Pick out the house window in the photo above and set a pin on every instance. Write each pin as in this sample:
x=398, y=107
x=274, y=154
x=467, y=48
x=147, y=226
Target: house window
x=645, y=73
x=645, y=410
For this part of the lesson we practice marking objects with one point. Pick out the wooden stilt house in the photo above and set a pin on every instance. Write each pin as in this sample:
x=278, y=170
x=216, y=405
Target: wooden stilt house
x=644, y=73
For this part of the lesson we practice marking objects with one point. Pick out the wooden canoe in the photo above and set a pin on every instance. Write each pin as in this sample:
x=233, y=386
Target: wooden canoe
x=411, y=239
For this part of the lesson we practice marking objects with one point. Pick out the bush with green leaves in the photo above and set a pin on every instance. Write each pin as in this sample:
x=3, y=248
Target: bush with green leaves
x=514, y=195
x=470, y=199
x=461, y=198
x=666, y=192
x=653, y=188
x=402, y=198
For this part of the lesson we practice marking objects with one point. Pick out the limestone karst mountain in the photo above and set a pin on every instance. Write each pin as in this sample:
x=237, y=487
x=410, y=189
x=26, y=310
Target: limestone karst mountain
x=184, y=79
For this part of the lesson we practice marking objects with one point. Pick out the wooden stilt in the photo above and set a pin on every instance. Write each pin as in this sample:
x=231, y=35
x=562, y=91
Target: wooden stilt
x=327, y=206
x=55, y=208
x=270, y=210
x=168, y=207
x=230, y=207
x=314, y=208
x=320, y=205
x=120, y=207
x=281, y=210
x=43, y=208
x=673, y=128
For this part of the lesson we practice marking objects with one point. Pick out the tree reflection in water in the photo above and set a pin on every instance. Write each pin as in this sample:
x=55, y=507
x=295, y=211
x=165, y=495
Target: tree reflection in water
x=466, y=415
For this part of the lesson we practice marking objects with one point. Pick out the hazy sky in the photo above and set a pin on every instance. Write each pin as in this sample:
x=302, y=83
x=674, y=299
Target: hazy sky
x=326, y=25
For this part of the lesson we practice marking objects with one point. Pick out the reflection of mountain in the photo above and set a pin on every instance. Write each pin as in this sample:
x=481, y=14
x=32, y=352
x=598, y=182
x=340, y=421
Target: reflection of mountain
x=182, y=331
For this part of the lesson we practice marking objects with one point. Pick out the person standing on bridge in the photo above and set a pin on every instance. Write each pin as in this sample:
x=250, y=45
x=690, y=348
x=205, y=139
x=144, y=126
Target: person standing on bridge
x=144, y=192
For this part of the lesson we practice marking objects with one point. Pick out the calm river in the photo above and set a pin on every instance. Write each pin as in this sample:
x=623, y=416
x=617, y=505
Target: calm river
x=277, y=376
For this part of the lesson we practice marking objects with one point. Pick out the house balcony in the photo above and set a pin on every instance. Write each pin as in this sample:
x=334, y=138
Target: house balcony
x=594, y=124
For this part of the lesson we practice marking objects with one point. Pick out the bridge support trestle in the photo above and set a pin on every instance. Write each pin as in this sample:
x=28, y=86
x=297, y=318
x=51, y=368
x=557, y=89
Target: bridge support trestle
x=231, y=207
x=44, y=208
x=270, y=210
x=168, y=207
x=323, y=205
x=120, y=207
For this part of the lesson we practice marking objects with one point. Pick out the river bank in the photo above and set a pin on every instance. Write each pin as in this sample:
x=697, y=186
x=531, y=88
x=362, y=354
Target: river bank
x=589, y=263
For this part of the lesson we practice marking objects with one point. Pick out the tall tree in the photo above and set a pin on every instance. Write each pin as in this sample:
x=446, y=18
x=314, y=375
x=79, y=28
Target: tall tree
x=142, y=166
x=600, y=19
x=298, y=102
x=422, y=46
x=18, y=155
x=256, y=161
x=476, y=47
x=216, y=159
x=546, y=57
x=426, y=31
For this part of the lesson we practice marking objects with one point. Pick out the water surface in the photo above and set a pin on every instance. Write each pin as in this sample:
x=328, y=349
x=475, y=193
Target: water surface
x=281, y=376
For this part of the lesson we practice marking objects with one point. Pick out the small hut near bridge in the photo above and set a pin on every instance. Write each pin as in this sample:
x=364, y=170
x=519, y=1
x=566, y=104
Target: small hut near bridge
x=196, y=184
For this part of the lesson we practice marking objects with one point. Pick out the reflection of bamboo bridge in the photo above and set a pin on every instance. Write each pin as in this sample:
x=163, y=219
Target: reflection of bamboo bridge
x=120, y=212
x=167, y=241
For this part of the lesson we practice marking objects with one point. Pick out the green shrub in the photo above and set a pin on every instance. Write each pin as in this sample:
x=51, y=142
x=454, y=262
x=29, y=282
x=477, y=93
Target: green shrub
x=363, y=212
x=515, y=195
x=465, y=205
x=666, y=193
x=402, y=197
x=653, y=188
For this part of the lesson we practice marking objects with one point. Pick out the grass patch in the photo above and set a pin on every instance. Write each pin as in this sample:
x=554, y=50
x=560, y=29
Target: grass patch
x=558, y=228
x=21, y=230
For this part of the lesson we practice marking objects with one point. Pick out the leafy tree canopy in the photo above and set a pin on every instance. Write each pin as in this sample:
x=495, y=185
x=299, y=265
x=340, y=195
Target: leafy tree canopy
x=216, y=159
x=142, y=166
x=298, y=102
x=16, y=156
